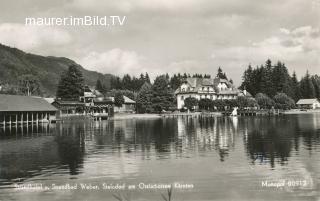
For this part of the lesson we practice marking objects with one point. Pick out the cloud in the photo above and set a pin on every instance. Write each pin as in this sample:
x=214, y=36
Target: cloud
x=117, y=61
x=31, y=38
x=299, y=48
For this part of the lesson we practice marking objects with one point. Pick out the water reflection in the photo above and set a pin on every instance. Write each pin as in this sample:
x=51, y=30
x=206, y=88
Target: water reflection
x=271, y=140
x=117, y=149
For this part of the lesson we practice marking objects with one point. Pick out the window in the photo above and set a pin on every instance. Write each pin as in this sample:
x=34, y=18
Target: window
x=202, y=88
x=182, y=97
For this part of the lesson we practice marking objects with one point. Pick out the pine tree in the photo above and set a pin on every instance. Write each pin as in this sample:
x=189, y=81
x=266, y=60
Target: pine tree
x=295, y=87
x=306, y=87
x=101, y=87
x=147, y=79
x=247, y=78
x=127, y=82
x=71, y=84
x=316, y=83
x=267, y=76
x=221, y=74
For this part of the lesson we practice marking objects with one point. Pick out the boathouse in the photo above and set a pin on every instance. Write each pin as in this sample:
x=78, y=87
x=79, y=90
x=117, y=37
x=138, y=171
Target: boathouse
x=16, y=109
x=312, y=103
x=67, y=107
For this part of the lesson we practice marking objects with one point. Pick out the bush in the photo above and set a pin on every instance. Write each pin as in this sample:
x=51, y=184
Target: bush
x=282, y=101
x=190, y=103
x=205, y=104
x=245, y=102
x=264, y=101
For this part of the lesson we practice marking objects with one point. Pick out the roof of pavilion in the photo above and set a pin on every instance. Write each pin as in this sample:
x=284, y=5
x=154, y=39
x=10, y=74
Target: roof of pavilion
x=15, y=103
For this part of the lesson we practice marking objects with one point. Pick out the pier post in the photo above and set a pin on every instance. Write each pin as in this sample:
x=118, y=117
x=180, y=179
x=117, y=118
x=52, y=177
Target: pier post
x=4, y=120
x=27, y=118
x=21, y=117
x=32, y=118
x=17, y=119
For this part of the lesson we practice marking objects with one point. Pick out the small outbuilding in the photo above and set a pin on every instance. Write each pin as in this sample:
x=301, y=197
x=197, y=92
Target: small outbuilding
x=127, y=107
x=308, y=103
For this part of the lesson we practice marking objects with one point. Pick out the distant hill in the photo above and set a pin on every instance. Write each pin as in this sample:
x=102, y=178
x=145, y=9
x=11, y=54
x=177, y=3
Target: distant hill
x=14, y=63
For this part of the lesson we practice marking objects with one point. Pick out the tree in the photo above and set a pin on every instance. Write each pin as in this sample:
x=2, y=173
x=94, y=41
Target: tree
x=118, y=99
x=218, y=104
x=264, y=101
x=244, y=102
x=101, y=87
x=126, y=82
x=175, y=81
x=190, y=103
x=147, y=79
x=115, y=83
x=316, y=83
x=296, y=94
x=71, y=84
x=220, y=74
x=205, y=104
x=144, y=104
x=162, y=97
x=307, y=87
x=266, y=83
x=282, y=101
x=29, y=85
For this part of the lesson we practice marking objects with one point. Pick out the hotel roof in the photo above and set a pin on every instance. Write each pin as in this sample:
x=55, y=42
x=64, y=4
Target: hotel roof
x=17, y=103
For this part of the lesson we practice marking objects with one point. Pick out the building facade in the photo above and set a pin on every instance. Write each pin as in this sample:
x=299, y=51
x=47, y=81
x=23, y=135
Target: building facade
x=201, y=88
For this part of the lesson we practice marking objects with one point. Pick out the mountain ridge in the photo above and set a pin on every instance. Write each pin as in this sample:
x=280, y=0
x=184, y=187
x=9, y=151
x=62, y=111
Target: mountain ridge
x=48, y=69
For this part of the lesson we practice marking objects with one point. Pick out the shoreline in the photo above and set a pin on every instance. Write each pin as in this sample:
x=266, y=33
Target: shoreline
x=134, y=116
x=123, y=116
x=298, y=111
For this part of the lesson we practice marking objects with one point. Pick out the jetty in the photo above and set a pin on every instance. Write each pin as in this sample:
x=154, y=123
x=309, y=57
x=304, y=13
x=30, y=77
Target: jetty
x=253, y=112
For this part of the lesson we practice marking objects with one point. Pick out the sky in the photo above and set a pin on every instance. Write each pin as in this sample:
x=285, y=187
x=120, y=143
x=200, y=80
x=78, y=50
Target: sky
x=166, y=36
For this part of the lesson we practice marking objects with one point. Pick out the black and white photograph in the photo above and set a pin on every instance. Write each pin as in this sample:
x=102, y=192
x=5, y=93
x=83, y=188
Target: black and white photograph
x=160, y=100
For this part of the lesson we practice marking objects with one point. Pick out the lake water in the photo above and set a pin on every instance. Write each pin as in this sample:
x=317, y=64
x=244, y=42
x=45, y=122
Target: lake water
x=221, y=158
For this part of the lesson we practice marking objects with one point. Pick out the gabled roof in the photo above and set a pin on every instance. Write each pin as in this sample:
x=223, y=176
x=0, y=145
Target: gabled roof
x=126, y=100
x=307, y=101
x=16, y=103
x=68, y=102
